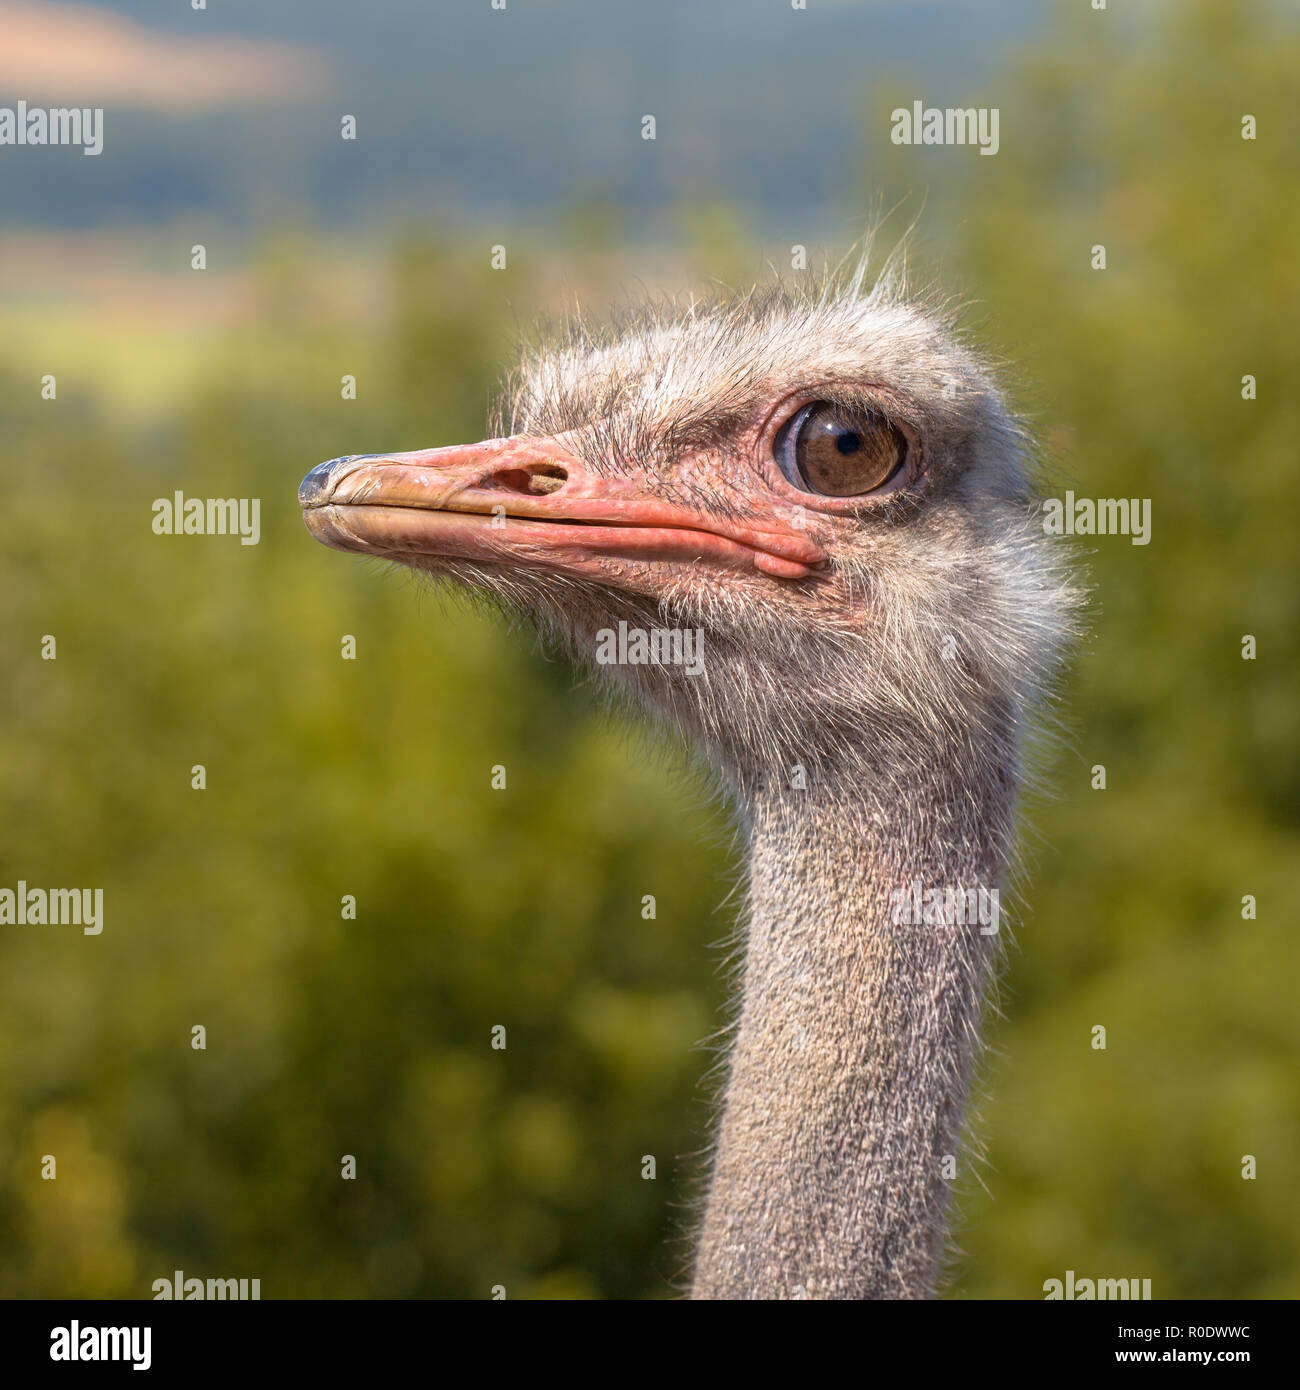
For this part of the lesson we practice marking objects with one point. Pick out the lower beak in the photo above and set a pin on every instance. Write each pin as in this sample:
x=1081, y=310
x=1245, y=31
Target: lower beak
x=525, y=502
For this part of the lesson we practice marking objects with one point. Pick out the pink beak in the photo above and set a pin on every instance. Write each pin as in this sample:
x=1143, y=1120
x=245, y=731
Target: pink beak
x=527, y=502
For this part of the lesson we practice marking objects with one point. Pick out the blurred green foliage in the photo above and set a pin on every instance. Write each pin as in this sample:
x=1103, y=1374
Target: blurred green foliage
x=1130, y=1159
x=522, y=907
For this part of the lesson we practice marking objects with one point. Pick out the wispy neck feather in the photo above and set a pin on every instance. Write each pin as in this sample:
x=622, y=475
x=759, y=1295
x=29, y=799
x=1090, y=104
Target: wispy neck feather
x=847, y=1079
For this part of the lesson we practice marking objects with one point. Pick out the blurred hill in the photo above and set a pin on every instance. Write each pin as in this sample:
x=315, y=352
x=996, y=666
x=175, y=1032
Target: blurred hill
x=469, y=115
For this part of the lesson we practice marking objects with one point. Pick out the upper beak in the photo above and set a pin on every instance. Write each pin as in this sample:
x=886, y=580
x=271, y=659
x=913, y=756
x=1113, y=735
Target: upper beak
x=528, y=502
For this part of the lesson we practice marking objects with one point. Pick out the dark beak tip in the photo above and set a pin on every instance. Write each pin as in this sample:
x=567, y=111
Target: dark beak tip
x=318, y=484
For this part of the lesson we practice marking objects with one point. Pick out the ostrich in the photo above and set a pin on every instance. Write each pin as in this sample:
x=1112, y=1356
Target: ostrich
x=824, y=482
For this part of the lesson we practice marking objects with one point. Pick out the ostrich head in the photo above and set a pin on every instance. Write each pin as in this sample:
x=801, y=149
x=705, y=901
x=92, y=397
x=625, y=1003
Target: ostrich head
x=826, y=487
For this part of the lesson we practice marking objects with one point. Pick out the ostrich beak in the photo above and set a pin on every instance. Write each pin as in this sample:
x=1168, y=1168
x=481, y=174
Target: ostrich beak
x=529, y=503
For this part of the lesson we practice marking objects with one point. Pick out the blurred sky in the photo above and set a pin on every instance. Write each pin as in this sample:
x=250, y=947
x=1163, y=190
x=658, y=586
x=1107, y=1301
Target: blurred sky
x=469, y=113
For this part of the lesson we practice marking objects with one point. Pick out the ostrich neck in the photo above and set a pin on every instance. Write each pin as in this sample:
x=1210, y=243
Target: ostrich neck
x=842, y=1112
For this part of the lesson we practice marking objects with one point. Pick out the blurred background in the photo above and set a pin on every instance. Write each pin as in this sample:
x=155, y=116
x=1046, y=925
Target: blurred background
x=371, y=1037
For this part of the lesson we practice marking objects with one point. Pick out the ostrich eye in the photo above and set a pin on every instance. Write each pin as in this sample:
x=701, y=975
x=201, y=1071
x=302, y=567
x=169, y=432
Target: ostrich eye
x=839, y=453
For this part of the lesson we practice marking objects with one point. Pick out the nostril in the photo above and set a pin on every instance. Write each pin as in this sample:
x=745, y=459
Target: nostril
x=537, y=480
x=548, y=477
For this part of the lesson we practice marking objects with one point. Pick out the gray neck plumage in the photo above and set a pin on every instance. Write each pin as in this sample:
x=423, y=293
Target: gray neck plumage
x=839, y=1135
